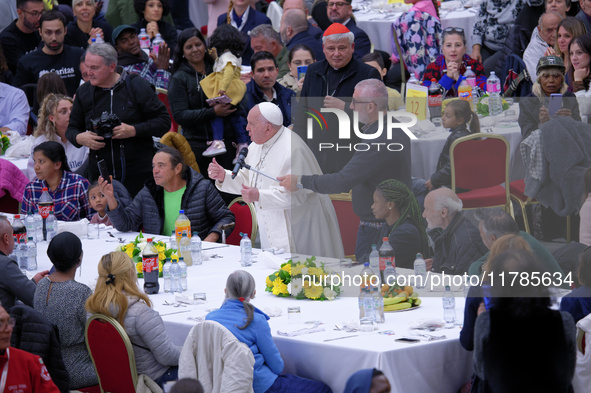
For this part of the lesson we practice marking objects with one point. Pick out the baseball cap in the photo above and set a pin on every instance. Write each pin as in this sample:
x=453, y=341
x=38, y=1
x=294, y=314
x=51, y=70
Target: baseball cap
x=120, y=29
x=550, y=62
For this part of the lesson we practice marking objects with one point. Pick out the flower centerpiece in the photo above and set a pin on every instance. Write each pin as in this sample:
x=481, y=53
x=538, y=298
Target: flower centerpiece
x=303, y=280
x=482, y=106
x=134, y=250
x=5, y=143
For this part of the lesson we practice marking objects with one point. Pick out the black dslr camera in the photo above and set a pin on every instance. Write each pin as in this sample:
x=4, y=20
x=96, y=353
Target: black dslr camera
x=103, y=125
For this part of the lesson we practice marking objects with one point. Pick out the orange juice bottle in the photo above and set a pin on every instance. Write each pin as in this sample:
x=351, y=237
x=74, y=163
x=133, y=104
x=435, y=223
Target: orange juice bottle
x=465, y=93
x=182, y=225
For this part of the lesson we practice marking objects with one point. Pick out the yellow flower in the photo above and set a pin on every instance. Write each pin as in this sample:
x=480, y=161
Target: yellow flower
x=313, y=291
x=161, y=256
x=129, y=246
x=296, y=269
x=160, y=247
x=279, y=287
x=315, y=271
x=268, y=282
x=287, y=268
x=160, y=265
x=129, y=253
x=139, y=267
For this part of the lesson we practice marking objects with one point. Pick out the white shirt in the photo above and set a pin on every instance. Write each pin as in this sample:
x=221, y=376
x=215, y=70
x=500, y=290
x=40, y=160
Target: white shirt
x=534, y=51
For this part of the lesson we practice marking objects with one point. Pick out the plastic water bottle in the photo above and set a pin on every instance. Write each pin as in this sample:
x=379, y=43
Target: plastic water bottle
x=449, y=306
x=38, y=226
x=386, y=257
x=378, y=306
x=31, y=254
x=185, y=250
x=51, y=225
x=413, y=80
x=99, y=39
x=30, y=225
x=374, y=258
x=245, y=250
x=166, y=276
x=435, y=97
x=369, y=278
x=183, y=267
x=471, y=79
x=173, y=242
x=196, y=249
x=366, y=304
x=156, y=44
x=144, y=41
x=420, y=272
x=175, y=277
x=390, y=274
x=493, y=87
x=21, y=255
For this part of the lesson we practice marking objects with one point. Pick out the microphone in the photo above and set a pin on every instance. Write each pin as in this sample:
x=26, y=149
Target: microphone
x=241, y=156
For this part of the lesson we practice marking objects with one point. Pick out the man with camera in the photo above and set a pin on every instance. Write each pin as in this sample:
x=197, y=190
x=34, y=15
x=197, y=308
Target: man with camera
x=115, y=115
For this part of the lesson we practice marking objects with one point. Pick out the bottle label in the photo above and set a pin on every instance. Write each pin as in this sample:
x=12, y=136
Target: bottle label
x=471, y=81
x=435, y=100
x=386, y=261
x=179, y=230
x=493, y=88
x=465, y=95
x=150, y=264
x=18, y=237
x=44, y=210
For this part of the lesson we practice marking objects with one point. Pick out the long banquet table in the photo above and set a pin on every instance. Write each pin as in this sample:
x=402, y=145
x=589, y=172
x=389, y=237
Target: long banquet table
x=428, y=366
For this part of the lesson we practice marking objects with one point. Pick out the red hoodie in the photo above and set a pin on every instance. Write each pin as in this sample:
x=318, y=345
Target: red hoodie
x=26, y=373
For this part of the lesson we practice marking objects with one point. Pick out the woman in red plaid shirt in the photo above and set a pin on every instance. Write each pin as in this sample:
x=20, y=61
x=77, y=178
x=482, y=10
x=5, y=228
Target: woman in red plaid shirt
x=449, y=68
x=68, y=190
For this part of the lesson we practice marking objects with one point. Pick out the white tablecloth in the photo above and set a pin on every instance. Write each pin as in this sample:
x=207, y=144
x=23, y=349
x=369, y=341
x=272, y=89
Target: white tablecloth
x=437, y=366
x=379, y=29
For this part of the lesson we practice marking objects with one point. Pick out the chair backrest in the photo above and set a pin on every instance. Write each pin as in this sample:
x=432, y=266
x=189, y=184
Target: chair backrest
x=348, y=221
x=479, y=161
x=8, y=204
x=246, y=221
x=214, y=356
x=112, y=354
x=163, y=97
x=582, y=378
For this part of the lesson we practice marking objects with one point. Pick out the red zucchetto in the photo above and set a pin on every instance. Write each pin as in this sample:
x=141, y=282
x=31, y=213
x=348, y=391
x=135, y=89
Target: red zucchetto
x=336, y=28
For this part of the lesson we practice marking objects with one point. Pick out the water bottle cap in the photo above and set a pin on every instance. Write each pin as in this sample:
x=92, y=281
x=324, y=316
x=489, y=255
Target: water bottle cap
x=181, y=212
x=447, y=288
x=30, y=238
x=366, y=264
x=373, y=246
x=181, y=259
x=17, y=216
x=44, y=189
x=419, y=255
x=149, y=240
x=384, y=239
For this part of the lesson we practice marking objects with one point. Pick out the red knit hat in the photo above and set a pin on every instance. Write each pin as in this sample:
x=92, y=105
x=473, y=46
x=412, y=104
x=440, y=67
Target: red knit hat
x=336, y=28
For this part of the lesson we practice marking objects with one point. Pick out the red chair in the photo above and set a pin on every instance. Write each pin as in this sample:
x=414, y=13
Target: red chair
x=348, y=222
x=479, y=165
x=246, y=221
x=112, y=354
x=8, y=204
x=163, y=97
x=517, y=192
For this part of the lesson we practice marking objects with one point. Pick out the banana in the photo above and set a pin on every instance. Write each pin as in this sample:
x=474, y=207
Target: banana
x=396, y=299
x=396, y=307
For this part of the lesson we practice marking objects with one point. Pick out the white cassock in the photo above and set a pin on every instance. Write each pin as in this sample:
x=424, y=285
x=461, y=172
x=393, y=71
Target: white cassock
x=303, y=221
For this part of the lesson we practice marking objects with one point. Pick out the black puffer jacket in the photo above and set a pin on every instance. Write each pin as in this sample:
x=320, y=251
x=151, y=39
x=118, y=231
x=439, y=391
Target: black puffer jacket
x=457, y=246
x=202, y=203
x=35, y=334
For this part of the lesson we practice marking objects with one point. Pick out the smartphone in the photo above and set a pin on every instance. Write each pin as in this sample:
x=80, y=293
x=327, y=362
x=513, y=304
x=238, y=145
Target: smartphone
x=302, y=71
x=407, y=340
x=102, y=167
x=486, y=296
x=555, y=104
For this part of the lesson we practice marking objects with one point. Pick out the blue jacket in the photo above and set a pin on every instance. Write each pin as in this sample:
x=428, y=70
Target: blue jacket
x=577, y=303
x=254, y=96
x=307, y=38
x=267, y=360
x=362, y=43
x=255, y=18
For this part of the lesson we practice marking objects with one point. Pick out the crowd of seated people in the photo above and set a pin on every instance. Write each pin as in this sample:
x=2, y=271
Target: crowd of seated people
x=95, y=100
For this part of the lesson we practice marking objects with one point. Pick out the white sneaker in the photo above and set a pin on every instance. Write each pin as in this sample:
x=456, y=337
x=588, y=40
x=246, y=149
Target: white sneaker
x=217, y=147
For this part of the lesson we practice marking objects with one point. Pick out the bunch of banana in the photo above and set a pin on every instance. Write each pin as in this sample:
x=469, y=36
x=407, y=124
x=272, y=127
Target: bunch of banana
x=403, y=300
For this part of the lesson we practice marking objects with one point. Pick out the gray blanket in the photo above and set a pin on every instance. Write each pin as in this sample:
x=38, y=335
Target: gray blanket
x=567, y=154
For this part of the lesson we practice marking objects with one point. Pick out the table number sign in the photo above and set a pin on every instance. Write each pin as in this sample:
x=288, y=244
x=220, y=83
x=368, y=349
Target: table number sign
x=416, y=100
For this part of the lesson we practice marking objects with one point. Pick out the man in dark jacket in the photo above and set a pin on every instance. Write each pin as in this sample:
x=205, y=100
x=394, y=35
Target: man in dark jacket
x=127, y=147
x=264, y=86
x=183, y=189
x=294, y=30
x=22, y=35
x=341, y=11
x=14, y=285
x=457, y=240
x=326, y=80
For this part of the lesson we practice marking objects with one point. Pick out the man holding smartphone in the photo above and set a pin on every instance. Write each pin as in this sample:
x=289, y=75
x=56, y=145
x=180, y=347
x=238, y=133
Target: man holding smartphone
x=549, y=97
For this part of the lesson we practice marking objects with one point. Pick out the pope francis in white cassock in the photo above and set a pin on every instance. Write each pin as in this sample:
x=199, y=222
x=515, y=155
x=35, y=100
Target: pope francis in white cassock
x=304, y=221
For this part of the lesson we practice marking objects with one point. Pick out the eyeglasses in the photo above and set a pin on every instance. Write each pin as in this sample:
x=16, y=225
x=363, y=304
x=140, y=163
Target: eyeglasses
x=34, y=14
x=453, y=30
x=10, y=323
x=337, y=5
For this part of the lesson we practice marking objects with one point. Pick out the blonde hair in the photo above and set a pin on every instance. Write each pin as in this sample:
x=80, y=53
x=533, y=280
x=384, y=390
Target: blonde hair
x=117, y=280
x=509, y=242
x=48, y=108
x=229, y=18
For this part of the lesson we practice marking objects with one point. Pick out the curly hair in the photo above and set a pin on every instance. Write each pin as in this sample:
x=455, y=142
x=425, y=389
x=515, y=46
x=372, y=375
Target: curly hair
x=140, y=6
x=48, y=108
x=395, y=191
x=227, y=37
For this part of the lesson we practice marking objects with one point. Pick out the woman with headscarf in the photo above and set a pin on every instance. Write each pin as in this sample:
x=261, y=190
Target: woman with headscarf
x=395, y=203
x=61, y=300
